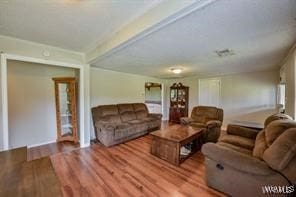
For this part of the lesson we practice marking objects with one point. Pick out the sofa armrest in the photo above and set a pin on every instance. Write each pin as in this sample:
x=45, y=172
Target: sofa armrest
x=154, y=115
x=239, y=161
x=186, y=120
x=214, y=123
x=242, y=131
x=104, y=125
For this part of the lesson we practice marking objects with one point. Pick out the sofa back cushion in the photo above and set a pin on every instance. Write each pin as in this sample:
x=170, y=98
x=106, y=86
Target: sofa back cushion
x=282, y=150
x=204, y=114
x=126, y=112
x=276, y=128
x=278, y=116
x=108, y=113
x=260, y=145
x=140, y=110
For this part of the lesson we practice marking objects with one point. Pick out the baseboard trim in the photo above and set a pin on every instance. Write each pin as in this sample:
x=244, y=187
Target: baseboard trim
x=40, y=144
x=84, y=145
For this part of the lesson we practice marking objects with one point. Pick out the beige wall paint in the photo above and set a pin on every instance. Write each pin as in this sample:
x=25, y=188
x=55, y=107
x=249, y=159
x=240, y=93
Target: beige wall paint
x=32, y=49
x=245, y=97
x=290, y=76
x=110, y=87
x=31, y=102
x=1, y=117
x=249, y=96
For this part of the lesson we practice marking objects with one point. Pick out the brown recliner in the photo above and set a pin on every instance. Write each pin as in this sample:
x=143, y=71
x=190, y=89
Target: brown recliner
x=207, y=117
x=245, y=162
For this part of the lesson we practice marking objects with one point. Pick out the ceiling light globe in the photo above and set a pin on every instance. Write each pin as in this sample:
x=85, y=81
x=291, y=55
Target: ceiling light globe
x=177, y=70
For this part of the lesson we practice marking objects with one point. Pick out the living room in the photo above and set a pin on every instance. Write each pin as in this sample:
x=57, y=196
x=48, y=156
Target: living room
x=237, y=56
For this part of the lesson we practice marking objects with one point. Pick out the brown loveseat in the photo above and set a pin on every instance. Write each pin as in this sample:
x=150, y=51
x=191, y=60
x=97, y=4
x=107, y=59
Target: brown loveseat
x=207, y=117
x=115, y=124
x=244, y=161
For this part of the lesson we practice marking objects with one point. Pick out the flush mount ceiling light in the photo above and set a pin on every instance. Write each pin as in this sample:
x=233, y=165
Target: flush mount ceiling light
x=224, y=52
x=176, y=70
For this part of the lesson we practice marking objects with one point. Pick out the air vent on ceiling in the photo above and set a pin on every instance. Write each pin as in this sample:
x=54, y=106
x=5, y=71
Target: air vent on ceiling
x=224, y=52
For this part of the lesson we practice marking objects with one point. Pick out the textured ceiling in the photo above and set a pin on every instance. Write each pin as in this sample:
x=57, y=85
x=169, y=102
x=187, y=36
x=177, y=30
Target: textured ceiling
x=77, y=25
x=260, y=33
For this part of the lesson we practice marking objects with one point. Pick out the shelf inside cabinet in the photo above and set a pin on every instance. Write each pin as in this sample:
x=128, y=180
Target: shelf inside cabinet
x=67, y=126
x=66, y=115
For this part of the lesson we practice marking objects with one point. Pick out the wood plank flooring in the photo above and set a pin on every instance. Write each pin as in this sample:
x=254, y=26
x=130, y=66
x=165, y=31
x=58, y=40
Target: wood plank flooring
x=21, y=178
x=50, y=149
x=128, y=170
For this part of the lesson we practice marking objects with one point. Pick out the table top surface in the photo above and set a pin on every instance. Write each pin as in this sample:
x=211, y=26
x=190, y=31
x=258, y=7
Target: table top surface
x=177, y=133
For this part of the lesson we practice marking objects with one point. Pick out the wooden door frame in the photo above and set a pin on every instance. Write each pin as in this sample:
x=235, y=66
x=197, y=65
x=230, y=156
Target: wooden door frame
x=83, y=94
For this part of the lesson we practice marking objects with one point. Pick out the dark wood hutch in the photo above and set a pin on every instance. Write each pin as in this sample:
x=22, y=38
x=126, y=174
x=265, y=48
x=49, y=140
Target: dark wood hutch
x=179, y=97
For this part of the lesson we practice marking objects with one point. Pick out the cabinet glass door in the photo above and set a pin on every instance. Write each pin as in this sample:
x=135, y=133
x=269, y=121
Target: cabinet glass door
x=65, y=94
x=174, y=95
x=65, y=109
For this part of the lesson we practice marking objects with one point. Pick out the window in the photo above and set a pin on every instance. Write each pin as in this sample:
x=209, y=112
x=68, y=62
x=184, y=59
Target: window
x=281, y=98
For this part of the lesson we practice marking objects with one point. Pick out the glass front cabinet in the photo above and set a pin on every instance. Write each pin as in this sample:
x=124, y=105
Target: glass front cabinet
x=66, y=112
x=178, y=102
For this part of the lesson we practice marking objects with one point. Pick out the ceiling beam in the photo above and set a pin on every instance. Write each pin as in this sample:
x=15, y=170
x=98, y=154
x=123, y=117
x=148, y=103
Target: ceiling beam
x=166, y=12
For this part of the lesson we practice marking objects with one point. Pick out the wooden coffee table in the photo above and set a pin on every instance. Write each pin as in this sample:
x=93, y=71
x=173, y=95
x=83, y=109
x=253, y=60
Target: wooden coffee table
x=166, y=143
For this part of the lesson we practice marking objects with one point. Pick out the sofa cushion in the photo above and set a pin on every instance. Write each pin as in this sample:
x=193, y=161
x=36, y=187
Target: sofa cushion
x=122, y=131
x=278, y=116
x=238, y=141
x=204, y=114
x=242, y=131
x=111, y=118
x=140, y=110
x=136, y=121
x=104, y=110
x=141, y=114
x=236, y=148
x=148, y=119
x=126, y=112
x=199, y=125
x=260, y=145
x=154, y=124
x=276, y=128
x=282, y=151
x=235, y=160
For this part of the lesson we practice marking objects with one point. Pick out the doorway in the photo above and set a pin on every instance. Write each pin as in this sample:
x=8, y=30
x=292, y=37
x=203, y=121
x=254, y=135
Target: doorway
x=209, y=92
x=83, y=97
x=153, y=97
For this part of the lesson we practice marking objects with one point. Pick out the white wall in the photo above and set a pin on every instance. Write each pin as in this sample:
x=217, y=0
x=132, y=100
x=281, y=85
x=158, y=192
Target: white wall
x=1, y=117
x=31, y=102
x=249, y=96
x=244, y=97
x=290, y=80
x=110, y=87
x=32, y=49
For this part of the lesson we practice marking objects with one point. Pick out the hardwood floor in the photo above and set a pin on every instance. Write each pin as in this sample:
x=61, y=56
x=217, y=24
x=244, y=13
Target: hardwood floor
x=128, y=170
x=21, y=178
x=50, y=149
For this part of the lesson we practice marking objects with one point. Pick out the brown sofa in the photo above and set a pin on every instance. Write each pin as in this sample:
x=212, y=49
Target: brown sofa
x=207, y=117
x=115, y=124
x=244, y=160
